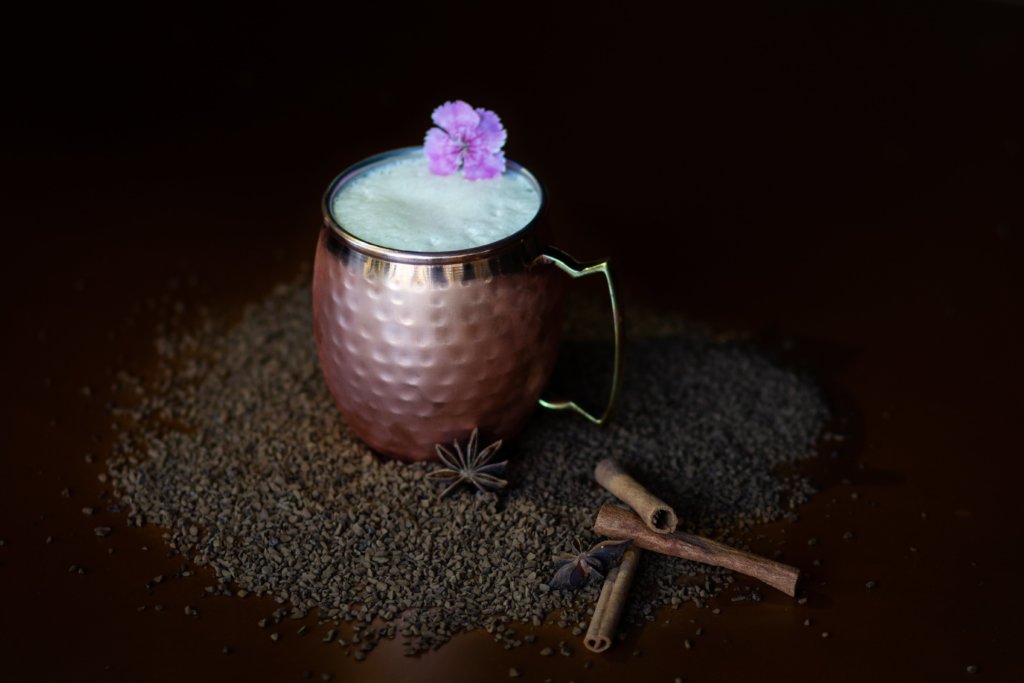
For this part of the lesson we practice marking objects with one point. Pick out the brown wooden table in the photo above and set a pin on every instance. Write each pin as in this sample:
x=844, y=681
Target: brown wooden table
x=848, y=180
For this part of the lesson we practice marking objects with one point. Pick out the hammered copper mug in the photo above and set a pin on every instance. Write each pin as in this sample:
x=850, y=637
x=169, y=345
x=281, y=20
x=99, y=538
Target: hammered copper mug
x=420, y=348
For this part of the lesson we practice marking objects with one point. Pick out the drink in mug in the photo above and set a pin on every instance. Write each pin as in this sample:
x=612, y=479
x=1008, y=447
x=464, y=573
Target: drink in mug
x=401, y=205
x=437, y=305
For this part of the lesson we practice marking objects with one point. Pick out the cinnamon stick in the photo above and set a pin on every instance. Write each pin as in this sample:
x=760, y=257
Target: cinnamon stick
x=657, y=515
x=617, y=522
x=611, y=602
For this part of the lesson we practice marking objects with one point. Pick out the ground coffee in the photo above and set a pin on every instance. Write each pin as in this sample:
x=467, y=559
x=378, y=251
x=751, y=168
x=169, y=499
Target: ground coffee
x=237, y=449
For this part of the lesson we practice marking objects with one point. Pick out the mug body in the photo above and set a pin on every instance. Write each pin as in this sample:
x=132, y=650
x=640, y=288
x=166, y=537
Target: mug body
x=420, y=348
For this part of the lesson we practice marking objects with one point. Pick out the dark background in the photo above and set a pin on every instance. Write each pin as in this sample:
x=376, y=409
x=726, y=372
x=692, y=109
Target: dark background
x=731, y=127
x=847, y=176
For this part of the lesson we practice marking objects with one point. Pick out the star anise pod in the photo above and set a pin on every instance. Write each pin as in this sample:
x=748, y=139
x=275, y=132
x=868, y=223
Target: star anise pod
x=471, y=467
x=578, y=568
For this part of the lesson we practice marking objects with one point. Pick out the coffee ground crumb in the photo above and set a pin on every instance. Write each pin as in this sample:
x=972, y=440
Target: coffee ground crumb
x=236, y=448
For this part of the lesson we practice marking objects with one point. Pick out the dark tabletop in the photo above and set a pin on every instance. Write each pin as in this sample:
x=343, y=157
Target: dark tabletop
x=845, y=180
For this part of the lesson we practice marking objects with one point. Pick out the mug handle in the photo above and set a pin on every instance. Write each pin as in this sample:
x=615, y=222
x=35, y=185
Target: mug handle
x=569, y=265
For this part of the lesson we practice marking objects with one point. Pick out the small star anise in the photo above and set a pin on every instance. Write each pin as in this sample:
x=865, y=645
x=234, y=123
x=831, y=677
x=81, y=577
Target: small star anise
x=582, y=566
x=470, y=467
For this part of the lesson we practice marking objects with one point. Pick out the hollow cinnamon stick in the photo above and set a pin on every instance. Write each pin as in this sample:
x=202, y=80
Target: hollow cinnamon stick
x=656, y=514
x=611, y=602
x=617, y=522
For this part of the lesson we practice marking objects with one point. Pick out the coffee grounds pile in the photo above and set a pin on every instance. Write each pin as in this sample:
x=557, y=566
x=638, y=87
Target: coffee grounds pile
x=236, y=448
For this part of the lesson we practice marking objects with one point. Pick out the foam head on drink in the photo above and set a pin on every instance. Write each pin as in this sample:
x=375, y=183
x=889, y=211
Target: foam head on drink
x=401, y=205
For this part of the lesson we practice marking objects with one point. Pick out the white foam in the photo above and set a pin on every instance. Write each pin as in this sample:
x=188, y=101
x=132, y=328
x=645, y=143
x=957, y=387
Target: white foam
x=401, y=205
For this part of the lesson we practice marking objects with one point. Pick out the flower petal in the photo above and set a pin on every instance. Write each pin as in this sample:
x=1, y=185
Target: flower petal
x=490, y=134
x=443, y=153
x=457, y=118
x=480, y=164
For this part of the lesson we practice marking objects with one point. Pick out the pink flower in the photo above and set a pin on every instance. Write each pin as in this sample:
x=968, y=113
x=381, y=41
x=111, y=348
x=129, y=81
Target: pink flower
x=468, y=138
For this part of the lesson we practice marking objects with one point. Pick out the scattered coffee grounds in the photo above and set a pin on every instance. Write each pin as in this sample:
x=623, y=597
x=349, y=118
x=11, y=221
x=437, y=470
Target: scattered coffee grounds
x=236, y=448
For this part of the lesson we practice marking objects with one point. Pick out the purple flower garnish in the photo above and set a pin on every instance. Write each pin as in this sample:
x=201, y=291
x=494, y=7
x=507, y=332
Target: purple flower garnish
x=468, y=138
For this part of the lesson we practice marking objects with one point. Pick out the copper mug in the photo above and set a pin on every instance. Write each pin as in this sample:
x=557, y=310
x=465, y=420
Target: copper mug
x=420, y=348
